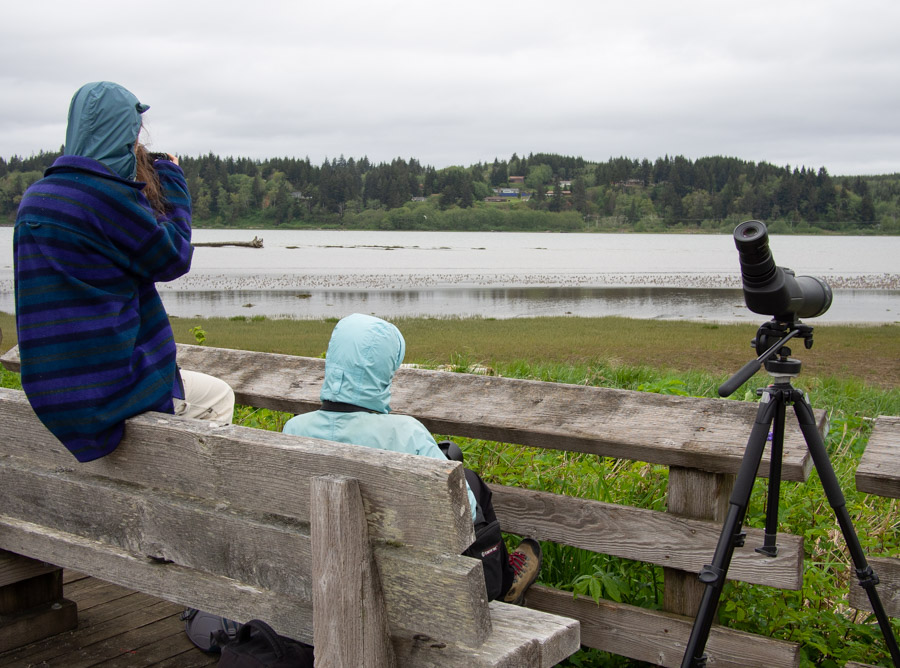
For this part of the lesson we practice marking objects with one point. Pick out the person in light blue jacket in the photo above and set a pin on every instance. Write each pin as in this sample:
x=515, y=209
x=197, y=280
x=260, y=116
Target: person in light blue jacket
x=363, y=355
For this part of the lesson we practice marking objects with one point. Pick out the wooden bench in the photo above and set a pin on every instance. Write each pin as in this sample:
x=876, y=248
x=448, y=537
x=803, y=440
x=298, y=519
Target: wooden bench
x=879, y=473
x=702, y=441
x=253, y=524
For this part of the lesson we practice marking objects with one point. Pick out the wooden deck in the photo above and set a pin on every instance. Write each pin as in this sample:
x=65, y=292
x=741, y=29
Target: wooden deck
x=116, y=628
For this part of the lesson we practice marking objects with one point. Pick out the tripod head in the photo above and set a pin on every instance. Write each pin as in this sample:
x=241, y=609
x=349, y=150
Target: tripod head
x=779, y=361
x=770, y=342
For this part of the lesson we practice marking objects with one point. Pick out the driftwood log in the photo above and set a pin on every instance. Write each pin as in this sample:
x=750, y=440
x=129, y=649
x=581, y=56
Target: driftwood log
x=256, y=242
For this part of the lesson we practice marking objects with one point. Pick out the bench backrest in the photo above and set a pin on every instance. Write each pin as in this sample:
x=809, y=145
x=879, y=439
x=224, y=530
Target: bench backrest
x=218, y=517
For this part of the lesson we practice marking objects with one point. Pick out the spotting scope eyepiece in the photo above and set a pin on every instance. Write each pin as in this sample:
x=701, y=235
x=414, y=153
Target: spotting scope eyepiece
x=772, y=290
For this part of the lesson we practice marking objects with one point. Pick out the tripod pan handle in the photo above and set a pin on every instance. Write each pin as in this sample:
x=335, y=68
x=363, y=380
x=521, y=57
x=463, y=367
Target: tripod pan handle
x=727, y=388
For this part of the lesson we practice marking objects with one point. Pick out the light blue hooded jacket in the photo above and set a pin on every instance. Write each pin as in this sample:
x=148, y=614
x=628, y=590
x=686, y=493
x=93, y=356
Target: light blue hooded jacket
x=363, y=355
x=104, y=123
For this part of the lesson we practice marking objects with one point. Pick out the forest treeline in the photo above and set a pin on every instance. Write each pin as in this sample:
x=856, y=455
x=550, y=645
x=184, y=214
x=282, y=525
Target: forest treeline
x=540, y=192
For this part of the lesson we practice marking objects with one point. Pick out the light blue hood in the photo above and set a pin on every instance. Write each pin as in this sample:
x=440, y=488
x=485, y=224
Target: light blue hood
x=363, y=355
x=104, y=123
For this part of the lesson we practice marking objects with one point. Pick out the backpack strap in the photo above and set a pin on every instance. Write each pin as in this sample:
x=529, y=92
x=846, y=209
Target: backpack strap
x=266, y=631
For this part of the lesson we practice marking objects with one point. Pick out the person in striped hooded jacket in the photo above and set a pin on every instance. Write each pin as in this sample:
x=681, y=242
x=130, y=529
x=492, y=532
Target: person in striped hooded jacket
x=91, y=239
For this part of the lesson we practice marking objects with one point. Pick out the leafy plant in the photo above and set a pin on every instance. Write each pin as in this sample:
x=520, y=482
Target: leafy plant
x=199, y=334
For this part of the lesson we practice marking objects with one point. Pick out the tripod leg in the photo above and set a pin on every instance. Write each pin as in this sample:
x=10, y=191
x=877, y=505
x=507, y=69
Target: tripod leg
x=769, y=547
x=865, y=574
x=714, y=575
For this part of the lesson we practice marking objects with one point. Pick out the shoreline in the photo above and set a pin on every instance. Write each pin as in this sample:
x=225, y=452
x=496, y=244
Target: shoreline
x=354, y=280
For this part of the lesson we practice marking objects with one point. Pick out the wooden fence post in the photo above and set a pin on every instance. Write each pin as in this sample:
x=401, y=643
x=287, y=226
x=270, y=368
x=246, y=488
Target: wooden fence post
x=350, y=626
x=699, y=495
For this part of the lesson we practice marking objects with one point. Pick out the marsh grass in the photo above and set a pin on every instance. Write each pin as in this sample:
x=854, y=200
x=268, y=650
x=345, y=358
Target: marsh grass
x=868, y=354
x=852, y=372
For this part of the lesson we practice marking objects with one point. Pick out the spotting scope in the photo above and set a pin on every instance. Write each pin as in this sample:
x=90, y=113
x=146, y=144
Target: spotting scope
x=772, y=290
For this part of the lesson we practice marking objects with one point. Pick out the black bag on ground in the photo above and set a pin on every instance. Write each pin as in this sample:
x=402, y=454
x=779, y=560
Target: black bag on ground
x=207, y=630
x=258, y=646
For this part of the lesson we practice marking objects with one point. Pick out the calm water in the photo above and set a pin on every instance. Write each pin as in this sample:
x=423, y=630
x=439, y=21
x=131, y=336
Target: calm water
x=312, y=274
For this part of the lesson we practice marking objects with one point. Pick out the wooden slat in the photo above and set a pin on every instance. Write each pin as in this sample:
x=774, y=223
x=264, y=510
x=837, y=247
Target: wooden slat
x=643, y=535
x=14, y=567
x=416, y=500
x=709, y=434
x=879, y=469
x=249, y=552
x=350, y=625
x=185, y=586
x=888, y=571
x=657, y=637
x=441, y=604
x=543, y=640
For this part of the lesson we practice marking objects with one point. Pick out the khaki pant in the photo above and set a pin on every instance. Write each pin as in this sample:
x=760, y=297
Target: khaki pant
x=205, y=398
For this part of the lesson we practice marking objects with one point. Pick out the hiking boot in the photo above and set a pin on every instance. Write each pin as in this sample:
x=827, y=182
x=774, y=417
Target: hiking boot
x=526, y=562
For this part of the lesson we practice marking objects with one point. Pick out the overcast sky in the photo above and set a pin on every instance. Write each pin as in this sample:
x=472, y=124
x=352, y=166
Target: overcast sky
x=793, y=82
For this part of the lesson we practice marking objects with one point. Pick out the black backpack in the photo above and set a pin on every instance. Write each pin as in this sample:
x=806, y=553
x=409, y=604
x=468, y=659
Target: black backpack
x=206, y=630
x=258, y=646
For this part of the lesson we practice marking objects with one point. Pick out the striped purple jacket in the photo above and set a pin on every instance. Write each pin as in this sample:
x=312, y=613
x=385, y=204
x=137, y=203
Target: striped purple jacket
x=94, y=338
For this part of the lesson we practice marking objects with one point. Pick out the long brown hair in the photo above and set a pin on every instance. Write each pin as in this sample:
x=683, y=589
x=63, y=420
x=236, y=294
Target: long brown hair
x=146, y=173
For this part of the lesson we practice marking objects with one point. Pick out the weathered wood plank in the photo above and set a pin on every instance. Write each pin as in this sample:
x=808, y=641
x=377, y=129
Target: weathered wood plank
x=888, y=571
x=293, y=616
x=156, y=524
x=709, y=434
x=643, y=535
x=409, y=499
x=184, y=586
x=658, y=637
x=557, y=637
x=879, y=469
x=14, y=567
x=248, y=551
x=543, y=641
x=704, y=496
x=350, y=625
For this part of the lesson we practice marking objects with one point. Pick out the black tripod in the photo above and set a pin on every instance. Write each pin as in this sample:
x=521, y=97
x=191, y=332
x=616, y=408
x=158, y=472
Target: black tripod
x=770, y=339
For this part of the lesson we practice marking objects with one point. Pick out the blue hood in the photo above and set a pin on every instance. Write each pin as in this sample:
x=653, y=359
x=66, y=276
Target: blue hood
x=363, y=355
x=104, y=123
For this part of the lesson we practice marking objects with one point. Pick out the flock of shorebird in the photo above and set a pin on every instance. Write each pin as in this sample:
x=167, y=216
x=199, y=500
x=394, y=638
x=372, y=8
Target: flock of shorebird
x=353, y=280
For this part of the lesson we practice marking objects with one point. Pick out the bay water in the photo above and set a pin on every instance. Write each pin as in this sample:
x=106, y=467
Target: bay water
x=327, y=273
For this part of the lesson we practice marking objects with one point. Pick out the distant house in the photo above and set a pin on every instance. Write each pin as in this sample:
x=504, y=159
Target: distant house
x=517, y=179
x=508, y=192
x=419, y=199
x=565, y=185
